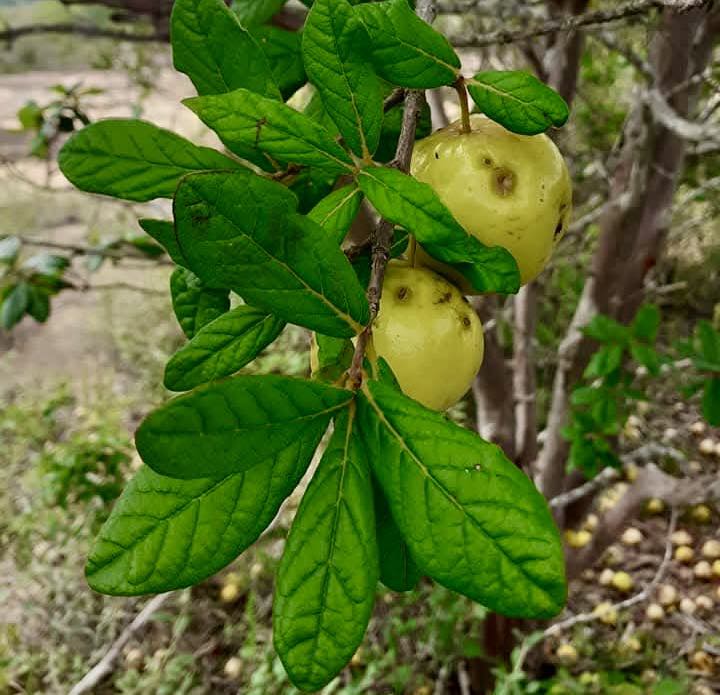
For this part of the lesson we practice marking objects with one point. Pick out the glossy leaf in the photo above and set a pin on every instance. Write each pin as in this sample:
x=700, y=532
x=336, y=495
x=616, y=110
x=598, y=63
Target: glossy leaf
x=222, y=347
x=283, y=52
x=326, y=582
x=233, y=425
x=239, y=231
x=334, y=50
x=244, y=121
x=163, y=231
x=255, y=12
x=416, y=207
x=195, y=304
x=472, y=520
x=14, y=305
x=166, y=534
x=134, y=160
x=518, y=101
x=336, y=212
x=215, y=51
x=333, y=357
x=407, y=51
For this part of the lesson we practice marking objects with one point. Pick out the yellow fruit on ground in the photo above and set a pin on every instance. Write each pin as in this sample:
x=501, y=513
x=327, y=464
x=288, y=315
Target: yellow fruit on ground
x=429, y=335
x=702, y=661
x=606, y=613
x=632, y=643
x=577, y=539
x=711, y=549
x=230, y=593
x=655, y=506
x=606, y=577
x=684, y=553
x=704, y=603
x=716, y=571
x=687, y=606
x=701, y=513
x=133, y=658
x=655, y=612
x=667, y=595
x=698, y=427
x=681, y=538
x=505, y=189
x=631, y=536
x=703, y=570
x=233, y=667
x=591, y=522
x=622, y=581
x=567, y=653
x=707, y=447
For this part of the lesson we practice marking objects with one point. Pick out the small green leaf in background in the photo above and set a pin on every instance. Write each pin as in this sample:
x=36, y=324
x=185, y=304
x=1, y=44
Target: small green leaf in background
x=472, y=520
x=334, y=46
x=606, y=330
x=518, y=101
x=238, y=230
x=333, y=355
x=222, y=347
x=212, y=48
x=283, y=52
x=336, y=212
x=244, y=120
x=30, y=116
x=407, y=51
x=646, y=323
x=39, y=303
x=14, y=305
x=252, y=13
x=134, y=160
x=193, y=303
x=604, y=362
x=233, y=425
x=709, y=340
x=163, y=231
x=166, y=534
x=325, y=587
x=416, y=207
x=9, y=249
x=647, y=356
x=398, y=570
x=711, y=401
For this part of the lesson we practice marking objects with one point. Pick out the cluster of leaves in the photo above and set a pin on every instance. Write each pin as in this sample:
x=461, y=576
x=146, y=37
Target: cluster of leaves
x=62, y=115
x=703, y=350
x=400, y=490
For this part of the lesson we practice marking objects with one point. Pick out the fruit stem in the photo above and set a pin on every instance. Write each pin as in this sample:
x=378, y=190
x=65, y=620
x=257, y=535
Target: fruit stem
x=412, y=248
x=461, y=90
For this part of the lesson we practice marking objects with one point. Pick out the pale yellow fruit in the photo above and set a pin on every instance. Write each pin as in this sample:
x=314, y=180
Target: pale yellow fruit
x=716, y=572
x=687, y=606
x=684, y=553
x=701, y=513
x=695, y=466
x=606, y=613
x=631, y=472
x=567, y=653
x=667, y=595
x=577, y=539
x=681, y=537
x=632, y=643
x=622, y=581
x=698, y=427
x=703, y=570
x=233, y=667
x=429, y=335
x=631, y=536
x=704, y=603
x=505, y=189
x=614, y=555
x=707, y=447
x=133, y=658
x=655, y=506
x=655, y=612
x=606, y=577
x=702, y=661
x=230, y=593
x=591, y=522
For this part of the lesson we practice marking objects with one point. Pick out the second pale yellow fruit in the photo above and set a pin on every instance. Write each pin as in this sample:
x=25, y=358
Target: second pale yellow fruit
x=505, y=189
x=428, y=334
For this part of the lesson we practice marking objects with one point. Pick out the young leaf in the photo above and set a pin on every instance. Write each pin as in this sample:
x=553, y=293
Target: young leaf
x=407, y=51
x=398, y=570
x=166, y=534
x=134, y=160
x=282, y=50
x=163, y=231
x=646, y=355
x=711, y=401
x=604, y=362
x=606, y=330
x=334, y=47
x=233, y=425
x=244, y=120
x=472, y=520
x=646, y=323
x=337, y=211
x=518, y=101
x=415, y=205
x=14, y=305
x=222, y=347
x=252, y=13
x=194, y=304
x=325, y=587
x=212, y=48
x=237, y=230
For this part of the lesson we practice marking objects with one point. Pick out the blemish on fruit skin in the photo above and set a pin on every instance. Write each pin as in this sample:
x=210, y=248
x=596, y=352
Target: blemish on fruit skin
x=403, y=293
x=466, y=321
x=446, y=297
x=487, y=161
x=437, y=156
x=503, y=181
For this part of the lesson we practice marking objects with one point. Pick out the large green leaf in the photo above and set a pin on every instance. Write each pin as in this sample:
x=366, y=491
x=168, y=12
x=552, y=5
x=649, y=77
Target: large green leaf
x=233, y=425
x=212, y=48
x=239, y=231
x=472, y=520
x=406, y=50
x=518, y=101
x=416, y=207
x=14, y=305
x=166, y=534
x=283, y=51
x=134, y=160
x=222, y=347
x=163, y=231
x=244, y=120
x=334, y=50
x=326, y=582
x=193, y=303
x=336, y=212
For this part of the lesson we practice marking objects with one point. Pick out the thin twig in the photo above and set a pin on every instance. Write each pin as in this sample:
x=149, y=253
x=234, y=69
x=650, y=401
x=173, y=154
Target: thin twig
x=87, y=31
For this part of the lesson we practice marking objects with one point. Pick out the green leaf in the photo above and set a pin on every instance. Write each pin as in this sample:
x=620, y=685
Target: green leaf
x=398, y=570
x=14, y=305
x=30, y=116
x=232, y=425
x=337, y=211
x=711, y=401
x=647, y=356
x=334, y=356
x=163, y=231
x=326, y=582
x=38, y=304
x=709, y=340
x=606, y=330
x=604, y=362
x=646, y=323
x=238, y=230
x=252, y=13
x=518, y=101
x=194, y=304
x=406, y=50
x=166, y=534
x=222, y=347
x=334, y=47
x=9, y=249
x=472, y=520
x=244, y=121
x=134, y=160
x=283, y=52
x=416, y=207
x=213, y=49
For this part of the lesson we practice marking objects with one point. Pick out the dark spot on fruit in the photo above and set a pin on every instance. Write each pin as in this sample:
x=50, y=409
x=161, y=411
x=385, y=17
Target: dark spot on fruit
x=403, y=293
x=437, y=156
x=487, y=161
x=466, y=321
x=446, y=297
x=504, y=181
